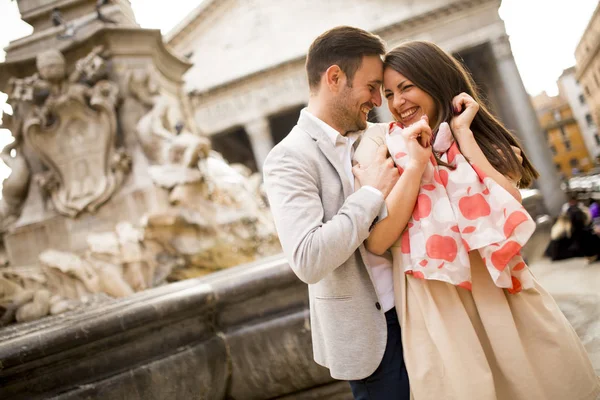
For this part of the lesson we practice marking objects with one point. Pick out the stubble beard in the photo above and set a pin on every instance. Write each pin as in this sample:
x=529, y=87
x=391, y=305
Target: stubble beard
x=346, y=118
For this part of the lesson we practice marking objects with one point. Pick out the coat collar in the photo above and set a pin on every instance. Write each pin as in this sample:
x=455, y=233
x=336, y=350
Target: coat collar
x=326, y=146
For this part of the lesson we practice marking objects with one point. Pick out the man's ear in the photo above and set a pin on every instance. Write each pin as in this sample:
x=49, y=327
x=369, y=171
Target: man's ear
x=334, y=78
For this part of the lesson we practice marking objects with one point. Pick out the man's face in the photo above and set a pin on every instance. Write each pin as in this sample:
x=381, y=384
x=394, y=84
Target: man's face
x=354, y=101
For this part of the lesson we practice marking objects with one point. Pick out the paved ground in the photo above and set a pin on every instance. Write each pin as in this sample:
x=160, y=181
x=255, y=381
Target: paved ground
x=575, y=285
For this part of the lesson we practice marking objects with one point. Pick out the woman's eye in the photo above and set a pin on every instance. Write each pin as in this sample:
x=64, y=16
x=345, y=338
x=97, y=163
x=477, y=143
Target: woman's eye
x=388, y=95
x=407, y=87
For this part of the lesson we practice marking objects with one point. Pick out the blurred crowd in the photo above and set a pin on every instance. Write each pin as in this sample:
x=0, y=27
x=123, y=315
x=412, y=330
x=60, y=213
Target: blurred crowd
x=576, y=232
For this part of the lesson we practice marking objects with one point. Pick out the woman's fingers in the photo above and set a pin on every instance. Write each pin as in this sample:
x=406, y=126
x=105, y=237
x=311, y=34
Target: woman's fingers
x=419, y=131
x=465, y=109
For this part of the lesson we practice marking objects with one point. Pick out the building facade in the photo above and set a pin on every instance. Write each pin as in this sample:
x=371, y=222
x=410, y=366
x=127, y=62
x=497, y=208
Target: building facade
x=248, y=84
x=587, y=57
x=572, y=92
x=570, y=154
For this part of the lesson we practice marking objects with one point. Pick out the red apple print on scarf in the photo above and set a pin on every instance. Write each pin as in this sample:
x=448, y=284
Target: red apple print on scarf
x=400, y=170
x=441, y=247
x=502, y=256
x=519, y=266
x=429, y=187
x=486, y=191
x=514, y=220
x=399, y=154
x=444, y=177
x=479, y=172
x=436, y=176
x=467, y=247
x=423, y=207
x=423, y=263
x=441, y=265
x=466, y=284
x=473, y=207
x=455, y=228
x=516, y=286
x=452, y=153
x=418, y=274
x=405, y=243
x=469, y=229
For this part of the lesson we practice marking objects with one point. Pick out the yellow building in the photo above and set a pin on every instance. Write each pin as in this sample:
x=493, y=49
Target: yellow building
x=570, y=155
x=587, y=57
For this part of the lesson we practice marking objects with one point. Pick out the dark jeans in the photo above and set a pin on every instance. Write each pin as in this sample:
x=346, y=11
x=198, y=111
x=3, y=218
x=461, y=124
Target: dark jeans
x=390, y=379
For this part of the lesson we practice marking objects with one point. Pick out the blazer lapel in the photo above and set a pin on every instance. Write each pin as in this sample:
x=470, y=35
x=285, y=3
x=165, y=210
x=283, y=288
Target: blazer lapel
x=327, y=148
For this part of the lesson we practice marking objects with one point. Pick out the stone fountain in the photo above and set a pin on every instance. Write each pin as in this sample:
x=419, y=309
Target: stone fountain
x=113, y=190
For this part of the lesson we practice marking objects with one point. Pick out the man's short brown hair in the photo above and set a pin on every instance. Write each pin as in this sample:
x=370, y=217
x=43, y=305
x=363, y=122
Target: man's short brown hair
x=344, y=46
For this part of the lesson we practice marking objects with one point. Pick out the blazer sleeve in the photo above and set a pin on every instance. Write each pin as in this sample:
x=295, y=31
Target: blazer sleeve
x=313, y=247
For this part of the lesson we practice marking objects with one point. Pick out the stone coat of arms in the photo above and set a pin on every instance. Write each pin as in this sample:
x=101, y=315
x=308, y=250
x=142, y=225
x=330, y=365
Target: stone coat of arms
x=72, y=130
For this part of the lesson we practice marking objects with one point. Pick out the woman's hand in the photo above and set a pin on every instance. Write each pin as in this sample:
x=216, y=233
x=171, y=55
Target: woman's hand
x=465, y=108
x=418, y=143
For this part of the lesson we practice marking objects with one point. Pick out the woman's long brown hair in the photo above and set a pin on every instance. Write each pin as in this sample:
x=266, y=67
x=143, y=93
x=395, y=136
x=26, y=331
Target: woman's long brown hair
x=442, y=77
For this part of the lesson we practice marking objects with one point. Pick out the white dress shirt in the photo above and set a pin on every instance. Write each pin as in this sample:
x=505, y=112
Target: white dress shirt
x=381, y=266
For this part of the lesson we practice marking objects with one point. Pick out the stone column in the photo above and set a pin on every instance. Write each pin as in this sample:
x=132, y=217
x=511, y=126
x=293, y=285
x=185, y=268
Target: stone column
x=259, y=133
x=526, y=123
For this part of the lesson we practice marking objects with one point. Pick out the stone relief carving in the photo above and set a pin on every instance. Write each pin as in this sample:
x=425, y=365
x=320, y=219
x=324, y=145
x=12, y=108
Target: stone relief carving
x=16, y=186
x=165, y=142
x=70, y=122
x=73, y=132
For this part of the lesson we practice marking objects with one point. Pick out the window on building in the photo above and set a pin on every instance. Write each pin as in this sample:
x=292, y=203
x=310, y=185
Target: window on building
x=567, y=145
x=597, y=137
x=582, y=99
x=553, y=150
x=557, y=167
x=589, y=120
x=563, y=133
x=573, y=162
x=587, y=90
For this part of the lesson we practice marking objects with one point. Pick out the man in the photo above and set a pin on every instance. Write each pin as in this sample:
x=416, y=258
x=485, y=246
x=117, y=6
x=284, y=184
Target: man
x=322, y=223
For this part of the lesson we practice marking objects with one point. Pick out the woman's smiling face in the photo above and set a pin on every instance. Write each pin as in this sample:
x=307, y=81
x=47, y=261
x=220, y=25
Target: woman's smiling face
x=406, y=101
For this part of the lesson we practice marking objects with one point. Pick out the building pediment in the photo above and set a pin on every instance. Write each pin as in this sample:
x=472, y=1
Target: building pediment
x=229, y=39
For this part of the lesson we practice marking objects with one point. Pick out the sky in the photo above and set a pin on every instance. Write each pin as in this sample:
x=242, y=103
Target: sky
x=543, y=36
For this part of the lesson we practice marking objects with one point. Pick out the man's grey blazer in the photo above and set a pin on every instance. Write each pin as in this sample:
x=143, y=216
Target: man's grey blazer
x=322, y=225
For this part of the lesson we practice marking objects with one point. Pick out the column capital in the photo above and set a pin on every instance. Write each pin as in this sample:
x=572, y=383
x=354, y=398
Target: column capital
x=501, y=47
x=258, y=127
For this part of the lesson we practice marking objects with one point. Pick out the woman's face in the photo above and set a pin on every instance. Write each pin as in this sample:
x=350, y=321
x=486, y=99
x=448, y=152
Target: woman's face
x=406, y=101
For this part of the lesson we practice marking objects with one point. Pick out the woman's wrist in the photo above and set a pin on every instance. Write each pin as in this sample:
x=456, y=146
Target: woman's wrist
x=415, y=166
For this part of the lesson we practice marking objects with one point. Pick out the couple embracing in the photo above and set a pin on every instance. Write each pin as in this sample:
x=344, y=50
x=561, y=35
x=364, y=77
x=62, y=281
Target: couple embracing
x=408, y=233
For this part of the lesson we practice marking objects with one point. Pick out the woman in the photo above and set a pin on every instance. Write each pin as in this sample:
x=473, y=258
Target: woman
x=483, y=343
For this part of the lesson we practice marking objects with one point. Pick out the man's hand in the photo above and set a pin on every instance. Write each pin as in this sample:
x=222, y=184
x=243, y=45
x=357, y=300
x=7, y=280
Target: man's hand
x=381, y=174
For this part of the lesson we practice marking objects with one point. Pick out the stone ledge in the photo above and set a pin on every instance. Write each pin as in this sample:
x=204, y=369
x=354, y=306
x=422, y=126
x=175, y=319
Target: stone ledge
x=241, y=332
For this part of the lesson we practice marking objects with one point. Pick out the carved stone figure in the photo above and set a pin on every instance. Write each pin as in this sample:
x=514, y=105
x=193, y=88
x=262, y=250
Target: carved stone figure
x=161, y=142
x=16, y=186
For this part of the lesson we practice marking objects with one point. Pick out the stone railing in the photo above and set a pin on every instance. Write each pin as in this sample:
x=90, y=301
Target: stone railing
x=242, y=333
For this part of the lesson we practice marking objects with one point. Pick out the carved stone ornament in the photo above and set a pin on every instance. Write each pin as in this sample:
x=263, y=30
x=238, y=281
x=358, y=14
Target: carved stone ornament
x=73, y=133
